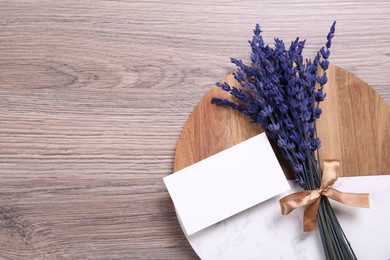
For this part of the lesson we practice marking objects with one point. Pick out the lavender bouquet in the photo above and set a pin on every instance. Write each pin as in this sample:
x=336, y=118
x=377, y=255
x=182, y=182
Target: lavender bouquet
x=282, y=93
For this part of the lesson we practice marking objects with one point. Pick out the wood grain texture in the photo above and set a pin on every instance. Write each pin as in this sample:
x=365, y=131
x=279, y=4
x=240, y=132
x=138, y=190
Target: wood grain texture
x=93, y=97
x=354, y=128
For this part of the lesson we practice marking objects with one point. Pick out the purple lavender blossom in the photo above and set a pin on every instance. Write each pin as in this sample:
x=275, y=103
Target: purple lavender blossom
x=282, y=93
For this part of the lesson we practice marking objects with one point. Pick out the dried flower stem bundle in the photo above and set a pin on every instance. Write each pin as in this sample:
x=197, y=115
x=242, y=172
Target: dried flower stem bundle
x=282, y=93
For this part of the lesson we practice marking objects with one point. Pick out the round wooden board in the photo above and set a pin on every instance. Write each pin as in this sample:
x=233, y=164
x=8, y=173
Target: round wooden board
x=354, y=128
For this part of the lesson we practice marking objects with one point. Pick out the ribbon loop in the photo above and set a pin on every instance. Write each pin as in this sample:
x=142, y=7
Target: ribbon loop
x=311, y=198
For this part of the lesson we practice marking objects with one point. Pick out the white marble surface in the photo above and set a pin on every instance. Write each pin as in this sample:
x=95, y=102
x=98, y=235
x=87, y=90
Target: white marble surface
x=263, y=233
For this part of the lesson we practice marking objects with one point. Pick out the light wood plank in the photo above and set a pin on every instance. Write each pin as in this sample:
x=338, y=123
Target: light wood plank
x=93, y=97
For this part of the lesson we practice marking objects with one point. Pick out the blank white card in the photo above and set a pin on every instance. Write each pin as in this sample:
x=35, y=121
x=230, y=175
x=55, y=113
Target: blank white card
x=226, y=183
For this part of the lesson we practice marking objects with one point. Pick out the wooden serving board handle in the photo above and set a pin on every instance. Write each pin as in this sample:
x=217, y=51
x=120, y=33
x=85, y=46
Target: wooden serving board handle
x=354, y=127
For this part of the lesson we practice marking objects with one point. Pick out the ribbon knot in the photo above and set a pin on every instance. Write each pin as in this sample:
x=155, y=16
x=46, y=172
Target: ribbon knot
x=311, y=198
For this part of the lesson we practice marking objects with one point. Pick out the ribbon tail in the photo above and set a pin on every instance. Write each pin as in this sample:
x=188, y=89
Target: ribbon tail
x=310, y=215
x=293, y=201
x=352, y=199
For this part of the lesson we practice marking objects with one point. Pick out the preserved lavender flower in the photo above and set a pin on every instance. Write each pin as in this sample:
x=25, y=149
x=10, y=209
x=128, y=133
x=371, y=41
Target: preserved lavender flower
x=282, y=92
x=279, y=92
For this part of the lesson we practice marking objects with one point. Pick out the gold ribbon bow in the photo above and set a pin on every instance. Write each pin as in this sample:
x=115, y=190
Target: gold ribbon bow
x=311, y=198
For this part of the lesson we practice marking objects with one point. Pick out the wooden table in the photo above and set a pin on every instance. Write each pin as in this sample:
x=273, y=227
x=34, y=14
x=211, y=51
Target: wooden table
x=93, y=96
